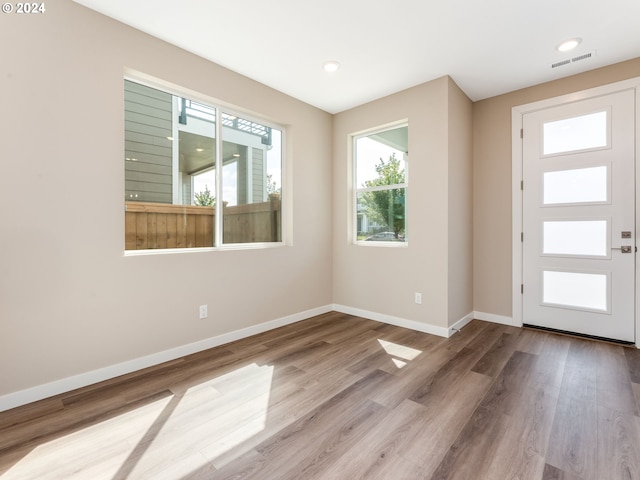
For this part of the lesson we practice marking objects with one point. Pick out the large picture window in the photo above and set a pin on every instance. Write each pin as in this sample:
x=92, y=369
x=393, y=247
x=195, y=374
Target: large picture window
x=197, y=175
x=380, y=162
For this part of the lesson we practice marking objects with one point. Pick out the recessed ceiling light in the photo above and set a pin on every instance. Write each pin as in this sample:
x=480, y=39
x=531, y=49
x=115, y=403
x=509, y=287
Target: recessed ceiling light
x=199, y=149
x=331, y=66
x=568, y=44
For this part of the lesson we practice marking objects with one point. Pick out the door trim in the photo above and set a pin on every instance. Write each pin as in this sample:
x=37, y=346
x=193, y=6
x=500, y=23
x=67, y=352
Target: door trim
x=517, y=114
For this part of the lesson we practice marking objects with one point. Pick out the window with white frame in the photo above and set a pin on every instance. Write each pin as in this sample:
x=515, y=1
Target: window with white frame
x=380, y=172
x=197, y=175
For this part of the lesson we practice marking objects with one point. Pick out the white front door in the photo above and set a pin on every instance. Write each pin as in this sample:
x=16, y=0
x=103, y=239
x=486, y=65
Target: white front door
x=579, y=217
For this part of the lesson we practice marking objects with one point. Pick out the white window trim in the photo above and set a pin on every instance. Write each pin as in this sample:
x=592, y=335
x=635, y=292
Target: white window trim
x=221, y=107
x=352, y=231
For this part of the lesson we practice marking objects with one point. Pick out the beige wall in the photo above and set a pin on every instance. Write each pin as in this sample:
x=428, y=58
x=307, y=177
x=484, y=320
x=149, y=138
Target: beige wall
x=384, y=279
x=492, y=180
x=70, y=301
x=460, y=178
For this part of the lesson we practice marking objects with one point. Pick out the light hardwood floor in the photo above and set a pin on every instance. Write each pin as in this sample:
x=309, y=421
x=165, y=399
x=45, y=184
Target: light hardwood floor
x=341, y=397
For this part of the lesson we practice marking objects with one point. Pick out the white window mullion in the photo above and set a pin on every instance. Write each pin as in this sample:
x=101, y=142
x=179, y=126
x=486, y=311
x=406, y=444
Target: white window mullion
x=219, y=166
x=249, y=174
x=379, y=188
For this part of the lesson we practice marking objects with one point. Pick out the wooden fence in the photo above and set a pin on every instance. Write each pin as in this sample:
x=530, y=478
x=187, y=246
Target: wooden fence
x=159, y=225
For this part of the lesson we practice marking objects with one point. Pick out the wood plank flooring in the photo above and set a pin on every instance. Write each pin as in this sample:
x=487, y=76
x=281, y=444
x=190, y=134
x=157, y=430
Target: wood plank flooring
x=341, y=397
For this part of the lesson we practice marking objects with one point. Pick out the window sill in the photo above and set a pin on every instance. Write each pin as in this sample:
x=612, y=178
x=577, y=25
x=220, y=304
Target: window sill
x=364, y=243
x=234, y=247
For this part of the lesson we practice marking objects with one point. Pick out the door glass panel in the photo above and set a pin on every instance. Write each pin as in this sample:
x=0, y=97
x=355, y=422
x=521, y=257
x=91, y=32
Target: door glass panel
x=575, y=238
x=578, y=185
x=575, y=133
x=586, y=291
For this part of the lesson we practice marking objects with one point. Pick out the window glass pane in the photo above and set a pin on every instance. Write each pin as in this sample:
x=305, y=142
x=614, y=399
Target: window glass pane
x=169, y=170
x=575, y=238
x=382, y=215
x=148, y=147
x=381, y=158
x=586, y=291
x=576, y=133
x=380, y=181
x=252, y=181
x=579, y=185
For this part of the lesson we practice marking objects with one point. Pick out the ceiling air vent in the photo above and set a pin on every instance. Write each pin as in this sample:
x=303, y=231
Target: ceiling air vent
x=582, y=57
x=578, y=58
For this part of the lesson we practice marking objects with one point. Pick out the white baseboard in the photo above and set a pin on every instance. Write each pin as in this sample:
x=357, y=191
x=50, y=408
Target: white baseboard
x=461, y=323
x=491, y=317
x=399, y=322
x=40, y=392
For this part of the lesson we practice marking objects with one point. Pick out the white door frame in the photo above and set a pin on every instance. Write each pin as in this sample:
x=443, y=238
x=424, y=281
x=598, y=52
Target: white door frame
x=517, y=114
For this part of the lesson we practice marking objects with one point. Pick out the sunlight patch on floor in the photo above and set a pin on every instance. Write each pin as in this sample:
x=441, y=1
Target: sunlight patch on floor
x=398, y=363
x=168, y=438
x=203, y=427
x=401, y=354
x=95, y=452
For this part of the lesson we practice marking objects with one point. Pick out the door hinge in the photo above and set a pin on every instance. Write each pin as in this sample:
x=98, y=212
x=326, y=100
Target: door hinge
x=521, y=184
x=522, y=288
x=522, y=133
x=522, y=236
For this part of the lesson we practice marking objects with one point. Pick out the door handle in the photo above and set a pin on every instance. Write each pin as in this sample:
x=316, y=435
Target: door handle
x=623, y=248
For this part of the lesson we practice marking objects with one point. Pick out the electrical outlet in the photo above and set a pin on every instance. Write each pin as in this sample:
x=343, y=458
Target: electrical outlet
x=203, y=312
x=418, y=298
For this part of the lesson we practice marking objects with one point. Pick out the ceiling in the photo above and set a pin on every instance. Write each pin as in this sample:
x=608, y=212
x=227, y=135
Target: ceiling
x=488, y=47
